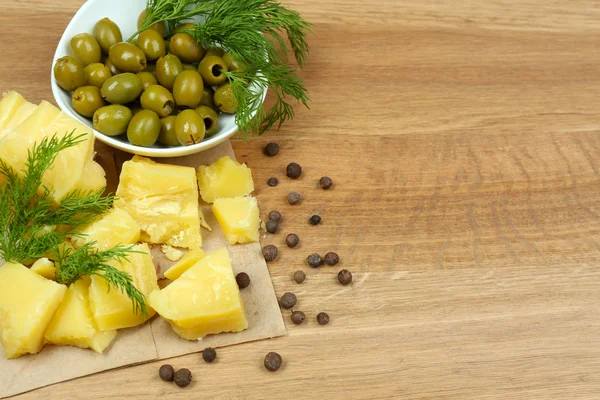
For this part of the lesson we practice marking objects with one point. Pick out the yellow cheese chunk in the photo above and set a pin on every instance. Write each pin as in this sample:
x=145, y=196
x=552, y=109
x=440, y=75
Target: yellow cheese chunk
x=93, y=178
x=21, y=115
x=33, y=126
x=73, y=323
x=109, y=230
x=112, y=309
x=224, y=178
x=45, y=268
x=163, y=199
x=28, y=302
x=184, y=264
x=9, y=104
x=204, y=300
x=239, y=218
x=171, y=253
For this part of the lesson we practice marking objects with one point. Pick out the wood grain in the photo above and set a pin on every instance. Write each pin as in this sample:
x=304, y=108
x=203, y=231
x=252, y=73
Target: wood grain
x=463, y=143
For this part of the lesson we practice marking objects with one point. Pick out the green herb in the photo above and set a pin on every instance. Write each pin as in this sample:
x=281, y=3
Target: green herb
x=254, y=32
x=74, y=265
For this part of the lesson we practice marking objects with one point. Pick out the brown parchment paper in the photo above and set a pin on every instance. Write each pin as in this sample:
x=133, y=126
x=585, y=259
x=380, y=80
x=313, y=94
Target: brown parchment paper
x=155, y=339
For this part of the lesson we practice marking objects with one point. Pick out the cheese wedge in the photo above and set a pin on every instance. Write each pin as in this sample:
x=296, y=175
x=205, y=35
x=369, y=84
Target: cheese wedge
x=239, y=218
x=163, y=200
x=73, y=323
x=204, y=300
x=28, y=302
x=9, y=104
x=45, y=268
x=224, y=178
x=93, y=178
x=33, y=126
x=186, y=262
x=111, y=229
x=112, y=309
x=21, y=115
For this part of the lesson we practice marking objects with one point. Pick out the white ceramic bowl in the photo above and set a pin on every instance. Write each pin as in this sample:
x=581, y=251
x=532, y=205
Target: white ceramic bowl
x=125, y=14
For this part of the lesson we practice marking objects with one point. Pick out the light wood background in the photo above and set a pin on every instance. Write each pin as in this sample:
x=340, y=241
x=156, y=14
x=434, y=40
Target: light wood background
x=463, y=139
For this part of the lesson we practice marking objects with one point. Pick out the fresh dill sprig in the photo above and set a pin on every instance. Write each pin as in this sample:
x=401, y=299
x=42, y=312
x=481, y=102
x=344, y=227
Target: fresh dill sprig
x=74, y=265
x=29, y=217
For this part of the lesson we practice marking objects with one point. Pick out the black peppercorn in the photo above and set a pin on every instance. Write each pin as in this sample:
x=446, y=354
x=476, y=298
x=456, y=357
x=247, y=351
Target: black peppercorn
x=325, y=182
x=293, y=170
x=322, y=318
x=183, y=377
x=273, y=361
x=288, y=300
x=272, y=226
x=299, y=276
x=269, y=252
x=315, y=260
x=292, y=240
x=345, y=277
x=243, y=280
x=166, y=372
x=275, y=216
x=273, y=182
x=332, y=258
x=314, y=220
x=209, y=354
x=293, y=198
x=271, y=149
x=298, y=317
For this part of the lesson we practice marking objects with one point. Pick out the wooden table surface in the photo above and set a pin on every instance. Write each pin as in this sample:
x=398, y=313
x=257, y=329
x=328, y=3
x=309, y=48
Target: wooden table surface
x=463, y=140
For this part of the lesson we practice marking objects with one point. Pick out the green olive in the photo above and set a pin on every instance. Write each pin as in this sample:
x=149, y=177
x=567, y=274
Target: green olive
x=158, y=99
x=122, y=88
x=85, y=49
x=186, y=47
x=147, y=78
x=212, y=68
x=107, y=33
x=225, y=100
x=167, y=134
x=188, y=89
x=160, y=27
x=214, y=51
x=69, y=73
x=232, y=63
x=86, y=100
x=152, y=44
x=207, y=97
x=183, y=27
x=144, y=128
x=189, y=127
x=96, y=74
x=211, y=119
x=112, y=120
x=113, y=70
x=127, y=57
x=167, y=69
x=189, y=67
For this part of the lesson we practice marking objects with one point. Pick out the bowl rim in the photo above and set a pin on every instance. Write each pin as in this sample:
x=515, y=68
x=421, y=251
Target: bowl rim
x=118, y=144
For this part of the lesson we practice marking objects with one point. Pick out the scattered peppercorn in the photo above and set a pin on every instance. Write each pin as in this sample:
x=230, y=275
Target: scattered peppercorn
x=271, y=149
x=273, y=182
x=345, y=277
x=332, y=258
x=293, y=198
x=292, y=240
x=269, y=252
x=325, y=182
x=272, y=226
x=288, y=300
x=314, y=220
x=293, y=170
x=298, y=317
x=166, y=372
x=315, y=260
x=273, y=361
x=322, y=318
x=209, y=354
x=299, y=276
x=243, y=280
x=183, y=377
x=275, y=216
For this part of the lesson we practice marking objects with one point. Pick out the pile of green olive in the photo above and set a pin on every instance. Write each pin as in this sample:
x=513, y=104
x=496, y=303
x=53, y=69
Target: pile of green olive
x=153, y=90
